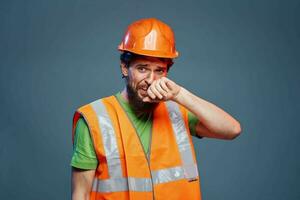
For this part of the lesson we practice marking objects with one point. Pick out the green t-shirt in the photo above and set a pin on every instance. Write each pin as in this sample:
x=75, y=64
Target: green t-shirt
x=84, y=156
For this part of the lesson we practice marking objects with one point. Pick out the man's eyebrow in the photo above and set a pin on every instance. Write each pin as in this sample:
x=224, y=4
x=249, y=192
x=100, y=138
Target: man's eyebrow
x=161, y=68
x=142, y=65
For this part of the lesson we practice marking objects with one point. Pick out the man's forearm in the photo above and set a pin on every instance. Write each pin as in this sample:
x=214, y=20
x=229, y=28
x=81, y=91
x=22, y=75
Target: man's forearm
x=77, y=195
x=82, y=181
x=212, y=117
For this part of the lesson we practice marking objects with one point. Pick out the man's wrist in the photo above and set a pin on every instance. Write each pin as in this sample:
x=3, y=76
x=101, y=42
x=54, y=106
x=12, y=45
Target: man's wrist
x=179, y=98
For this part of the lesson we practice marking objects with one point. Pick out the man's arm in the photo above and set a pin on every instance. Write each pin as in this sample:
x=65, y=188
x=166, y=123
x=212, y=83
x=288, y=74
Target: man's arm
x=213, y=121
x=82, y=182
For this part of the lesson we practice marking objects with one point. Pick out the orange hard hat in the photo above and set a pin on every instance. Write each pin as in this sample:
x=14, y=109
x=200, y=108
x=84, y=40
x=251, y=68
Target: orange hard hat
x=149, y=37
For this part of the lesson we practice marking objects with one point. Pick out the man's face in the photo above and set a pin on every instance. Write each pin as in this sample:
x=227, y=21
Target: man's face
x=140, y=75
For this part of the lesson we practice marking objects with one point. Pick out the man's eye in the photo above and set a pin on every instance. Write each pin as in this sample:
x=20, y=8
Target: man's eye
x=142, y=69
x=160, y=71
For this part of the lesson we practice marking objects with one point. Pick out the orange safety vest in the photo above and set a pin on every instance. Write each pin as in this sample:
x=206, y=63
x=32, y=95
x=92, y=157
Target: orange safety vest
x=125, y=171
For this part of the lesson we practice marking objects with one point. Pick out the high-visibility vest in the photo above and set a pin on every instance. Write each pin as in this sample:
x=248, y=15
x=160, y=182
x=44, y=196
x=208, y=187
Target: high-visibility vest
x=125, y=171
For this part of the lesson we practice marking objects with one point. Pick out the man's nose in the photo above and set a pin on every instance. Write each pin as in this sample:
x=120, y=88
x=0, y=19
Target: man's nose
x=150, y=78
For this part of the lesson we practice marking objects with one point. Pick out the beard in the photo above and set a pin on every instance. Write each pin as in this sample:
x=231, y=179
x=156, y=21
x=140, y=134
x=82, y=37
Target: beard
x=137, y=103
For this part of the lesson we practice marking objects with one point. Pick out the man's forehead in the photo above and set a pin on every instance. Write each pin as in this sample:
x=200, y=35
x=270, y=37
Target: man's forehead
x=148, y=60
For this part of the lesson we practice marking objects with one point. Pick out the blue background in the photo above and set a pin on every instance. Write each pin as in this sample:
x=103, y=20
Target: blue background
x=242, y=55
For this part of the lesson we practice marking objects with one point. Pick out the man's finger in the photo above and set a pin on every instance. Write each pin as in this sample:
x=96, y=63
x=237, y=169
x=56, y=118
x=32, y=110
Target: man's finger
x=164, y=86
x=153, y=89
x=150, y=93
x=160, y=89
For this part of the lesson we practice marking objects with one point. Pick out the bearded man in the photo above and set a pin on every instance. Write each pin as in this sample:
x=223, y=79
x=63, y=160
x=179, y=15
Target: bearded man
x=137, y=143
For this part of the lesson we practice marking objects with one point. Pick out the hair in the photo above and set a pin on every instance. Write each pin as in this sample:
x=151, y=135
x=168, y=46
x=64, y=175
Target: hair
x=126, y=57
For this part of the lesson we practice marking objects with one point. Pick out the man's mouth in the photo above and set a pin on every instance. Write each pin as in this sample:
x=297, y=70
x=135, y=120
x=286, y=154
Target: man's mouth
x=143, y=91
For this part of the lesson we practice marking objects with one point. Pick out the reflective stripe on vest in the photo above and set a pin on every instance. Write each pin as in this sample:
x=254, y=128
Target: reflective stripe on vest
x=118, y=183
x=109, y=139
x=122, y=184
x=139, y=184
x=190, y=169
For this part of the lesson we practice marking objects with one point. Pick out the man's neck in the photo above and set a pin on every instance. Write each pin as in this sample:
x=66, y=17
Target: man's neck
x=124, y=94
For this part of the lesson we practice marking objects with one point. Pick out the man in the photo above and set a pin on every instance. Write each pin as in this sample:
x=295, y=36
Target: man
x=137, y=144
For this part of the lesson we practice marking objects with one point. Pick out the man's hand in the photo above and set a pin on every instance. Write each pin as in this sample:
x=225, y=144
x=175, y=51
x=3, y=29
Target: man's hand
x=162, y=89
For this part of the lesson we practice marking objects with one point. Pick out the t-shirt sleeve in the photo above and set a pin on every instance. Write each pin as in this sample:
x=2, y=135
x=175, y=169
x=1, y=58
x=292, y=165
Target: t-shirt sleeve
x=84, y=156
x=193, y=120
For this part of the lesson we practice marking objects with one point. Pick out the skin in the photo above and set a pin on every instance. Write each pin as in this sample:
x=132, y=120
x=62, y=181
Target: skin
x=147, y=76
x=82, y=181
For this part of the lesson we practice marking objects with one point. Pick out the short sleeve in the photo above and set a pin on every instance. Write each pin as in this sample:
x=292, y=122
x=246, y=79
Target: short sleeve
x=84, y=156
x=193, y=120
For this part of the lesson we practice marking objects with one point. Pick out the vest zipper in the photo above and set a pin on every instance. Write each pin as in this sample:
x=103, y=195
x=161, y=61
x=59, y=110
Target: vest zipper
x=146, y=155
x=148, y=158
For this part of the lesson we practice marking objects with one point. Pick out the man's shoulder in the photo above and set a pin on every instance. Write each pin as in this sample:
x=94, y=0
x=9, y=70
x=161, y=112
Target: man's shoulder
x=106, y=98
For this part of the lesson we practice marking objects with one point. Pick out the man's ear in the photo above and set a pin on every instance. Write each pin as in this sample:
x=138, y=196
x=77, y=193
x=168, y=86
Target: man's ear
x=124, y=69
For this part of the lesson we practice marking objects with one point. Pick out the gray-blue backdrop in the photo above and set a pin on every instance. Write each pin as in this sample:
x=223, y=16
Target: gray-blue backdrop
x=242, y=55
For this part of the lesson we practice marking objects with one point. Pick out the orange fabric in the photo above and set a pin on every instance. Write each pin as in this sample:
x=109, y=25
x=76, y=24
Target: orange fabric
x=178, y=190
x=91, y=119
x=149, y=37
x=110, y=196
x=164, y=150
x=134, y=153
x=164, y=153
x=121, y=196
